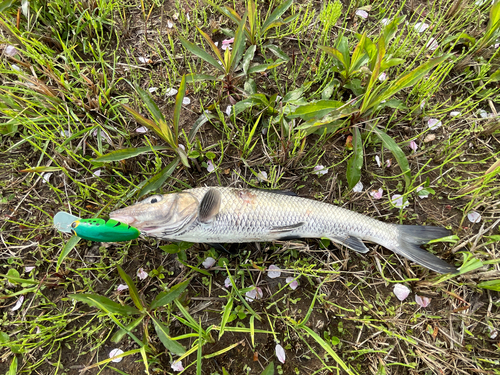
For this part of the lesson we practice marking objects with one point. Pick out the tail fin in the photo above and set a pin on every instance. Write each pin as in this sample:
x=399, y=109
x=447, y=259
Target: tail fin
x=410, y=237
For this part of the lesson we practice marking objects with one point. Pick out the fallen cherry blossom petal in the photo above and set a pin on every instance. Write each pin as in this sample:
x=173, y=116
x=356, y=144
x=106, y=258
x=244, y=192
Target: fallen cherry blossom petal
x=483, y=113
x=153, y=89
x=422, y=195
x=280, y=353
x=377, y=194
x=122, y=287
x=358, y=188
x=474, y=217
x=97, y=173
x=273, y=272
x=171, y=92
x=28, y=269
x=227, y=282
x=422, y=301
x=493, y=332
x=262, y=176
x=15, y=67
x=46, y=177
x=186, y=101
x=38, y=331
x=141, y=274
x=434, y=123
x=255, y=293
x=413, y=145
x=141, y=130
x=362, y=13
x=420, y=27
x=320, y=170
x=144, y=60
x=226, y=43
x=18, y=304
x=209, y=262
x=401, y=291
x=385, y=21
x=455, y=113
x=228, y=110
x=10, y=51
x=292, y=282
x=432, y=44
x=388, y=163
x=382, y=77
x=210, y=166
x=397, y=201
x=114, y=353
x=177, y=366
x=422, y=105
x=182, y=146
x=377, y=159
x=170, y=24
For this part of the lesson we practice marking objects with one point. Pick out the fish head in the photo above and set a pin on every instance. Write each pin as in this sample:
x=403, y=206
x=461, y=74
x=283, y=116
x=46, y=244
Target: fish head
x=160, y=215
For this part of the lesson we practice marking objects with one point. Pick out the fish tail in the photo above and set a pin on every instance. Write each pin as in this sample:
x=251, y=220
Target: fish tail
x=410, y=237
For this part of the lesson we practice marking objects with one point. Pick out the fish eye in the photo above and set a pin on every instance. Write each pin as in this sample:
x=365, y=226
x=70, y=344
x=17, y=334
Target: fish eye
x=154, y=199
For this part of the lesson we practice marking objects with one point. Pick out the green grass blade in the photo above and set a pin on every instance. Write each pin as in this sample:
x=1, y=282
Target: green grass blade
x=66, y=250
x=13, y=367
x=278, y=12
x=400, y=156
x=134, y=293
x=225, y=317
x=105, y=304
x=126, y=153
x=355, y=162
x=238, y=45
x=198, y=124
x=157, y=181
x=358, y=56
x=335, y=53
x=142, y=120
x=315, y=109
x=150, y=104
x=164, y=298
x=211, y=44
x=197, y=51
x=171, y=345
x=177, y=109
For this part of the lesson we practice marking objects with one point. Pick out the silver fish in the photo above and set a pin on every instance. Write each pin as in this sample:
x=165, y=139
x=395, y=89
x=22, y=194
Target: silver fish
x=230, y=215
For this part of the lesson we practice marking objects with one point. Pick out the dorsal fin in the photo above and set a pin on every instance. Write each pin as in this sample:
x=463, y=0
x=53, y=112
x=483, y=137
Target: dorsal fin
x=282, y=192
x=351, y=242
x=209, y=206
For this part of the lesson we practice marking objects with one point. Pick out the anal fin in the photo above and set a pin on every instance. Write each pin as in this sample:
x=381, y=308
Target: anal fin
x=351, y=242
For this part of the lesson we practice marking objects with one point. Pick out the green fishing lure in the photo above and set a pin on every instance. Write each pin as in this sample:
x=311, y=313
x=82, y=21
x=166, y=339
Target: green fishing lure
x=100, y=230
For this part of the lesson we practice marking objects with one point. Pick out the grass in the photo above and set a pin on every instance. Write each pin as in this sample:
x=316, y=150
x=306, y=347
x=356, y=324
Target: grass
x=289, y=97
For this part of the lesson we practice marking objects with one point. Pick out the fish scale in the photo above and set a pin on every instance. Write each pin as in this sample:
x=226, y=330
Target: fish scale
x=231, y=215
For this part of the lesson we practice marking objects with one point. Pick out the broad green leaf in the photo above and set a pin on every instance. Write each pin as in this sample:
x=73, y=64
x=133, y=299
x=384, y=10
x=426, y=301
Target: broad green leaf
x=118, y=336
x=5, y=5
x=495, y=77
x=355, y=162
x=248, y=57
x=164, y=298
x=4, y=338
x=225, y=317
x=334, y=115
x=134, y=293
x=277, y=52
x=13, y=367
x=374, y=77
x=343, y=47
x=204, y=117
x=66, y=250
x=252, y=21
x=238, y=44
x=105, y=304
x=400, y=156
x=142, y=120
x=157, y=181
x=211, y=44
x=386, y=64
x=391, y=29
x=315, y=109
x=269, y=370
x=202, y=54
x=337, y=54
x=359, y=57
x=167, y=134
x=278, y=12
x=183, y=156
x=150, y=104
x=293, y=95
x=177, y=109
x=490, y=284
x=192, y=77
x=263, y=67
x=126, y=153
x=171, y=345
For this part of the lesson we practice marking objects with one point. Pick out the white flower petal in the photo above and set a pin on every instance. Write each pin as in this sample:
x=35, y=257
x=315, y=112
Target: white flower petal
x=10, y=51
x=474, y=217
x=320, y=170
x=182, y=146
x=255, y=293
x=388, y=163
x=227, y=282
x=18, y=304
x=401, y=291
x=455, y=113
x=262, y=176
x=273, y=272
x=141, y=130
x=114, y=353
x=432, y=44
x=28, y=269
x=15, y=67
x=97, y=173
x=358, y=188
x=122, y=287
x=377, y=194
x=46, y=177
x=228, y=110
x=413, y=146
x=397, y=201
x=153, y=89
x=170, y=24
x=177, y=366
x=141, y=274
x=422, y=195
x=377, y=159
x=385, y=21
x=25, y=8
x=186, y=101
x=210, y=166
x=280, y=353
x=292, y=282
x=171, y=92
x=422, y=301
x=434, y=123
x=422, y=105
x=483, y=113
x=143, y=59
x=420, y=27
x=208, y=263
x=382, y=77
x=362, y=13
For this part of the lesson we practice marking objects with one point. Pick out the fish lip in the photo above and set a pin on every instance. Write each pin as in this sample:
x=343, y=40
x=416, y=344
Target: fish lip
x=125, y=219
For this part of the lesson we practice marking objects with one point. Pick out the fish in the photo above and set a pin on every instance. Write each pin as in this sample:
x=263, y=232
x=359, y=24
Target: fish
x=239, y=215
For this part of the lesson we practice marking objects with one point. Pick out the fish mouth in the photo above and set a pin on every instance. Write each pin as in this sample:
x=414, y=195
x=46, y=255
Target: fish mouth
x=125, y=219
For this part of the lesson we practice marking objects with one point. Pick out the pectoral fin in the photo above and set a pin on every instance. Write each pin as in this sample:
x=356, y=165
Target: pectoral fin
x=351, y=242
x=286, y=228
x=209, y=206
